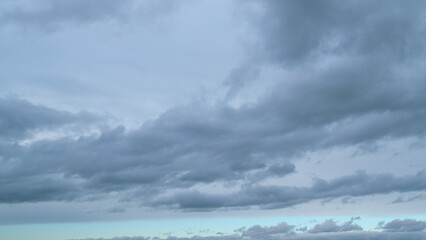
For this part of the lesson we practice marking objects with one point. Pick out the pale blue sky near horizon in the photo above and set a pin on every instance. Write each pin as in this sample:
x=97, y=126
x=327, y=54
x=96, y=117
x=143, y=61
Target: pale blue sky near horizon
x=178, y=227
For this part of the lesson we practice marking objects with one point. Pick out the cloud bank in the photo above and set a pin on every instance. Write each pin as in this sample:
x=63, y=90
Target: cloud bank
x=356, y=76
x=326, y=230
x=165, y=155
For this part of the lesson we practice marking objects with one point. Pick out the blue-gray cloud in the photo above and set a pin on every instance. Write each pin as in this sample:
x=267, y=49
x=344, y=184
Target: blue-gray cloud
x=401, y=199
x=258, y=231
x=20, y=119
x=295, y=32
x=48, y=15
x=405, y=225
x=331, y=226
x=334, y=236
x=327, y=230
x=358, y=78
x=176, y=151
x=359, y=184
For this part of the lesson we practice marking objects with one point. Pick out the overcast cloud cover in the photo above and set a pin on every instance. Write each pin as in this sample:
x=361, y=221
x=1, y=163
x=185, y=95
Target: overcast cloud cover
x=310, y=77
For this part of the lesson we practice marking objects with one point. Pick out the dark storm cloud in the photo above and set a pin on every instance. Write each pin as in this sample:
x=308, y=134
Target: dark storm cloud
x=50, y=15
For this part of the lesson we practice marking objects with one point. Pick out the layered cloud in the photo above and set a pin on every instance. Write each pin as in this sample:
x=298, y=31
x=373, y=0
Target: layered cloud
x=355, y=76
x=359, y=184
x=406, y=225
x=175, y=152
x=21, y=119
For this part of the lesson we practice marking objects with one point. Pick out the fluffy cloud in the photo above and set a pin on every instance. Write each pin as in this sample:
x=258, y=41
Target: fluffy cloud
x=331, y=226
x=258, y=231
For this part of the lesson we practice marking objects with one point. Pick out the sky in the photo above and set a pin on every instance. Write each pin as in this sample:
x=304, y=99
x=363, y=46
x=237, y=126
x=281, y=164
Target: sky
x=212, y=120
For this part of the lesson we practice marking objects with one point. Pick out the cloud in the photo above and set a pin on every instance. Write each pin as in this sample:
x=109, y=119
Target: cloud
x=357, y=78
x=260, y=232
x=20, y=118
x=181, y=149
x=359, y=184
x=400, y=199
x=334, y=236
x=48, y=15
x=361, y=235
x=331, y=226
x=239, y=77
x=296, y=32
x=329, y=230
x=348, y=62
x=406, y=225
x=45, y=187
x=120, y=238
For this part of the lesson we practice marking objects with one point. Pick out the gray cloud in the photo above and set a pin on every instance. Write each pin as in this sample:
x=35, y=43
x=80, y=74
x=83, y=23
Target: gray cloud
x=360, y=79
x=285, y=231
x=239, y=77
x=259, y=232
x=331, y=226
x=294, y=32
x=406, y=225
x=401, y=199
x=352, y=60
x=48, y=15
x=348, y=72
x=362, y=235
x=180, y=149
x=45, y=187
x=160, y=155
x=20, y=118
x=334, y=236
x=359, y=184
